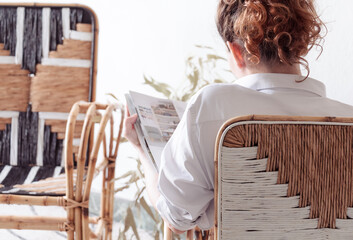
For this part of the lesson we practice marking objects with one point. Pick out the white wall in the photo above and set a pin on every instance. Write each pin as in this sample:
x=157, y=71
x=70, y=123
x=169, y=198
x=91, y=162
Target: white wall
x=335, y=66
x=154, y=37
x=151, y=37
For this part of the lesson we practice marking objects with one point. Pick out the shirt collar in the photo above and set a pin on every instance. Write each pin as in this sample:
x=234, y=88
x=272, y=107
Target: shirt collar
x=265, y=81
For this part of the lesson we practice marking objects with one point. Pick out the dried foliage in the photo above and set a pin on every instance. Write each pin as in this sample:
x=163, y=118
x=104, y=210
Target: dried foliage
x=133, y=212
x=201, y=70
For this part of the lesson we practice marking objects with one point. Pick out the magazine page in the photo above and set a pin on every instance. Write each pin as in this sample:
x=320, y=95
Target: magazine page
x=158, y=119
x=143, y=143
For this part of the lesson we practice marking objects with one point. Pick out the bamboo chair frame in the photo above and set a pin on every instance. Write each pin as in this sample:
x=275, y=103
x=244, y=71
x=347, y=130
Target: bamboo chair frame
x=76, y=200
x=238, y=121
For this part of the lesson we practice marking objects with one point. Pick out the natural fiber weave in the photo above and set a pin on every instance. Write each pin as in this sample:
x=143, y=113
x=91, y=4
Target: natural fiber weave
x=12, y=70
x=4, y=122
x=316, y=161
x=84, y=27
x=4, y=52
x=14, y=88
x=49, y=186
x=73, y=49
x=56, y=89
x=32, y=180
x=59, y=127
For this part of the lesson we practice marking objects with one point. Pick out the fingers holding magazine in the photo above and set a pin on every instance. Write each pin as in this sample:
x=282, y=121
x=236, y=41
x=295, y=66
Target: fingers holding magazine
x=129, y=130
x=154, y=124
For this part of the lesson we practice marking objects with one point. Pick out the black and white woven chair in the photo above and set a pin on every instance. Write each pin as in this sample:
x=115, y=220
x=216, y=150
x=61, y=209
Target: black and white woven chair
x=70, y=186
x=47, y=63
x=48, y=155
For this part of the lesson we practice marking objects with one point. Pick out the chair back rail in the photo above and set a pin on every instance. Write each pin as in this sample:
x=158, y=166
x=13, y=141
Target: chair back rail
x=280, y=177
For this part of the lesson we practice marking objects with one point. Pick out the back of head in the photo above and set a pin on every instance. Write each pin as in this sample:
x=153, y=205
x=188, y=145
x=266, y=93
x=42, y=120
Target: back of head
x=271, y=31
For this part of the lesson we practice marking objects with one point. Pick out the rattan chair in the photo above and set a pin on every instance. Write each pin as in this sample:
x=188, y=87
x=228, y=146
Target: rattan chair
x=279, y=177
x=48, y=65
x=76, y=181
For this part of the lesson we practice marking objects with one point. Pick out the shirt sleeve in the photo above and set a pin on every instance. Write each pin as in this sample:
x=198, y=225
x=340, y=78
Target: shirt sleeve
x=186, y=191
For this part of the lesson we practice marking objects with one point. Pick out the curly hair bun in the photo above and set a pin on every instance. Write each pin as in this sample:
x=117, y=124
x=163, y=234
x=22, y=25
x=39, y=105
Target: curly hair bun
x=271, y=30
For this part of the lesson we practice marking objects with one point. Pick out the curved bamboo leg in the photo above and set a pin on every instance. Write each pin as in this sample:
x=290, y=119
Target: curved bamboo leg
x=113, y=153
x=105, y=203
x=104, y=228
x=108, y=198
x=101, y=223
x=110, y=202
x=70, y=129
x=110, y=182
x=93, y=157
x=82, y=232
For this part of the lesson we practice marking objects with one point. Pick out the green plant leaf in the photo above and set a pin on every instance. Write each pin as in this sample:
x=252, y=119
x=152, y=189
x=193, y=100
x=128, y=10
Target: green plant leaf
x=123, y=140
x=113, y=96
x=121, y=188
x=156, y=235
x=130, y=223
x=186, y=97
x=160, y=226
x=121, y=235
x=194, y=78
x=158, y=86
x=218, y=81
x=133, y=179
x=201, y=46
x=138, y=194
x=147, y=208
x=125, y=175
x=200, y=63
x=215, y=57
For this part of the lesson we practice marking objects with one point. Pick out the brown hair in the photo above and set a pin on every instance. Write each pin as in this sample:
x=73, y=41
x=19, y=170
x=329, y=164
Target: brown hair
x=271, y=30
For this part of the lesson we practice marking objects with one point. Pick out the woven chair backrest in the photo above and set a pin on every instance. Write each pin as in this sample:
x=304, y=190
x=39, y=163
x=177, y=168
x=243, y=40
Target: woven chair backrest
x=47, y=63
x=284, y=178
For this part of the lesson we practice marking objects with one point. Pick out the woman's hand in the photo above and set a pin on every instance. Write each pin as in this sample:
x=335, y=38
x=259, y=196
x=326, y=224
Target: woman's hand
x=129, y=131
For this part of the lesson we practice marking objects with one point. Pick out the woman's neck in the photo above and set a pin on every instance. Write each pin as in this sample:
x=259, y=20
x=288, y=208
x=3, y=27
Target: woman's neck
x=278, y=68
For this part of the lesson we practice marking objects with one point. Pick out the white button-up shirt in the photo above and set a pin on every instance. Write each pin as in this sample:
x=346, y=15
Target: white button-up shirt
x=186, y=177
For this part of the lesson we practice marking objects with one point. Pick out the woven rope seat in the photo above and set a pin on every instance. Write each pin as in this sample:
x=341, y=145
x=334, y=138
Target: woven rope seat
x=280, y=177
x=36, y=180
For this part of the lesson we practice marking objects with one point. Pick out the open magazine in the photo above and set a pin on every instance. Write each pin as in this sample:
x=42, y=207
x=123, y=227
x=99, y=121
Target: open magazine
x=156, y=122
